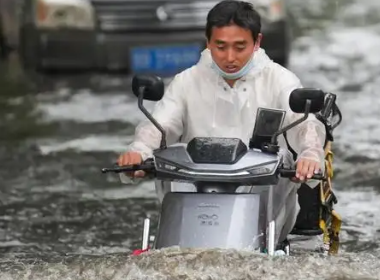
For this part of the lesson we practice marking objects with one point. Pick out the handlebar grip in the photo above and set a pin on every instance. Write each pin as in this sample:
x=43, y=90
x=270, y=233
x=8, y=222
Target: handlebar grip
x=287, y=173
x=125, y=168
x=290, y=173
x=147, y=166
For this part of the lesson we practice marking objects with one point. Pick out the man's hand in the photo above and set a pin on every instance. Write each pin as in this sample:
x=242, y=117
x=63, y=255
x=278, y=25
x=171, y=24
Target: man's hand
x=306, y=168
x=130, y=158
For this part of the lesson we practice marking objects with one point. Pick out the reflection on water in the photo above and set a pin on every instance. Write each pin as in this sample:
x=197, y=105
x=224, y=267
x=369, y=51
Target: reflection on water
x=18, y=111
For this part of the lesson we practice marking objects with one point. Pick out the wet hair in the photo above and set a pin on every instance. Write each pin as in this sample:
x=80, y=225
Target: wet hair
x=229, y=12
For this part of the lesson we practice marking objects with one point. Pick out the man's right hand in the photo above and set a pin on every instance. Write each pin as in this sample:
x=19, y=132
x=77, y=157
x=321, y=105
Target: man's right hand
x=130, y=158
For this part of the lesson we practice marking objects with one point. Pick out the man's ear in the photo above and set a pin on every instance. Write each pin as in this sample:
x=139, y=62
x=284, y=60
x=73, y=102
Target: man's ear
x=207, y=43
x=258, y=41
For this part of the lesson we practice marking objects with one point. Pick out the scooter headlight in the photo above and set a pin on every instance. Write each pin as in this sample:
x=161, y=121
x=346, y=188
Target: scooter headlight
x=262, y=170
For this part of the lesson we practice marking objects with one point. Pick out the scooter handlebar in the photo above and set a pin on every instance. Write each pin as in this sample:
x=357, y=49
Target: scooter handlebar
x=290, y=173
x=147, y=166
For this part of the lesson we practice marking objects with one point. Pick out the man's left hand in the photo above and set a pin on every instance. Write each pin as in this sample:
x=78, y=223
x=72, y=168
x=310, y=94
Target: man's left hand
x=305, y=169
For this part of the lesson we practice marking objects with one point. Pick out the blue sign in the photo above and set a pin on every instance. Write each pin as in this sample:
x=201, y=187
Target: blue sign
x=164, y=59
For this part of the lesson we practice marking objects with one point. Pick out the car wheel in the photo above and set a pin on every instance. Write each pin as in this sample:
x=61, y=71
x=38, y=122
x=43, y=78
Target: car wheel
x=27, y=53
x=3, y=43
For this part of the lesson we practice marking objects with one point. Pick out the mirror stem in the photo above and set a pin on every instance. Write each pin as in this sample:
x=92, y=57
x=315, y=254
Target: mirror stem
x=282, y=130
x=150, y=117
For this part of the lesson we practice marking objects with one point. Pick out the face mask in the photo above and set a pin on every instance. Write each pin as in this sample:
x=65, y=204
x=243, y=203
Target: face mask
x=237, y=75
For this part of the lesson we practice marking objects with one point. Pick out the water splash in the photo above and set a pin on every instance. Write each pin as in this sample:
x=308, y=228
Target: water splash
x=173, y=263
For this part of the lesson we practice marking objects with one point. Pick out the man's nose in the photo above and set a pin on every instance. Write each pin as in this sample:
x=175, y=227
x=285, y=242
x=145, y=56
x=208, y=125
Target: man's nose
x=231, y=55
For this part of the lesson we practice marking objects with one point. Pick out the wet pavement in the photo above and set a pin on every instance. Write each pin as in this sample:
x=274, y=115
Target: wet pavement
x=60, y=218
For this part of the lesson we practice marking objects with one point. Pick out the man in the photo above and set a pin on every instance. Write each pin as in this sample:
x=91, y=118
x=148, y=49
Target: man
x=219, y=97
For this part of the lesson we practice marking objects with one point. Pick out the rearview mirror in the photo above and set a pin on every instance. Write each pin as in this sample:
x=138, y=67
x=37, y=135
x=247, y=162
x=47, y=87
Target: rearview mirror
x=298, y=99
x=152, y=87
x=301, y=100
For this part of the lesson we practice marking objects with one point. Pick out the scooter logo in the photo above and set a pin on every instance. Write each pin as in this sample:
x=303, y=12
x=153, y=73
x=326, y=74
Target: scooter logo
x=208, y=220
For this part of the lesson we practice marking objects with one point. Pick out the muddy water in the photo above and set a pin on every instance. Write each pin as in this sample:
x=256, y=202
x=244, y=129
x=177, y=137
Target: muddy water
x=62, y=219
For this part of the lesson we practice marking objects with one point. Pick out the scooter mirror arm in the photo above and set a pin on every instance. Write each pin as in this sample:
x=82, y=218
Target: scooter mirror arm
x=297, y=122
x=150, y=117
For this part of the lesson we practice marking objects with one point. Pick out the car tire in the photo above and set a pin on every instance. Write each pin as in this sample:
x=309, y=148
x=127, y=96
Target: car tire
x=27, y=53
x=4, y=51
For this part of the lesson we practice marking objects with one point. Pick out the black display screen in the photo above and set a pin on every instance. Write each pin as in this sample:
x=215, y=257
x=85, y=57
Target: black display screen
x=268, y=121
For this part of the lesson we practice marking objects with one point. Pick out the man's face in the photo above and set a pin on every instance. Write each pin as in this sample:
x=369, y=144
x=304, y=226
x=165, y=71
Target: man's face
x=232, y=46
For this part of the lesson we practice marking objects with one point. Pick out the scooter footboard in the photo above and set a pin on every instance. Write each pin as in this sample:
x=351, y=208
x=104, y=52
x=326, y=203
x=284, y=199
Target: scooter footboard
x=212, y=220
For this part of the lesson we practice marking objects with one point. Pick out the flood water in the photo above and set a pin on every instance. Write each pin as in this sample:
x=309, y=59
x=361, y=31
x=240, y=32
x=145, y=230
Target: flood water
x=60, y=218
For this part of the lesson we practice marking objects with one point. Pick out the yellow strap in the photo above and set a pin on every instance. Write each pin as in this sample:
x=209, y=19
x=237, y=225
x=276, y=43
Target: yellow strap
x=330, y=235
x=336, y=224
x=328, y=162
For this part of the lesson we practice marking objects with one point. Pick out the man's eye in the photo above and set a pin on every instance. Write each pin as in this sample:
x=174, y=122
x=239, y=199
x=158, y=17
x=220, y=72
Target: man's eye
x=220, y=47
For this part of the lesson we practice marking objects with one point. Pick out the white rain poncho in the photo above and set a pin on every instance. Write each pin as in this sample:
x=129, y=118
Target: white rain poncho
x=199, y=103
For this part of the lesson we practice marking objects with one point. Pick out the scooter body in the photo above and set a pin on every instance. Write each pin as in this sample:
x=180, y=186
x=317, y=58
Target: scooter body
x=216, y=215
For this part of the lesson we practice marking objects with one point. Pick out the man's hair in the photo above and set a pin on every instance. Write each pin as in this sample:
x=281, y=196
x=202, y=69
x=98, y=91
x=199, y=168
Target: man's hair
x=229, y=12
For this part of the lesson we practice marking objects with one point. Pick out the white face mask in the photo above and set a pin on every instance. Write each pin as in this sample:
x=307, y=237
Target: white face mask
x=237, y=75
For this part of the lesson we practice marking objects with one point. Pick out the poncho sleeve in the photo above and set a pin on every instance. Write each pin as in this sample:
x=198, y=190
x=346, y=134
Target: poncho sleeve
x=307, y=139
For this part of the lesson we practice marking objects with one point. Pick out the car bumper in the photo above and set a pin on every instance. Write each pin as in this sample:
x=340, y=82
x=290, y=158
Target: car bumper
x=74, y=49
x=69, y=49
